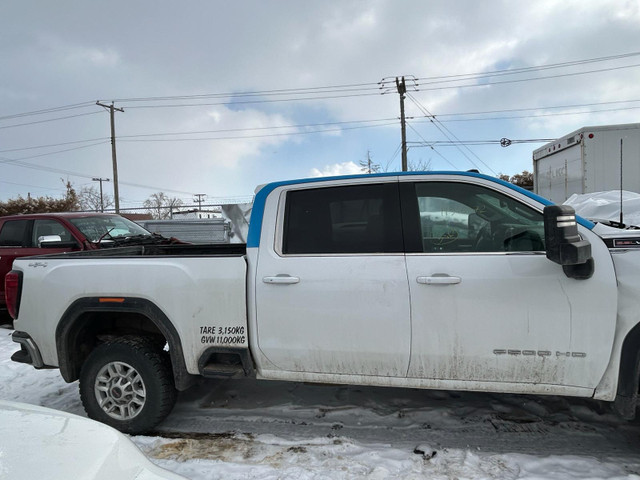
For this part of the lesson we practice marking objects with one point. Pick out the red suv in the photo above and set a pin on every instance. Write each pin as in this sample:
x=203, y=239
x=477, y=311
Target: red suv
x=39, y=234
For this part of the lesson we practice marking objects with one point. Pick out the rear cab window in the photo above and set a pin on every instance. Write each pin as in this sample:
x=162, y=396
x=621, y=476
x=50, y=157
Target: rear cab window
x=13, y=233
x=354, y=219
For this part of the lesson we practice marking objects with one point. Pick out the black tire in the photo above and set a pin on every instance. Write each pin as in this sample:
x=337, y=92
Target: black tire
x=127, y=383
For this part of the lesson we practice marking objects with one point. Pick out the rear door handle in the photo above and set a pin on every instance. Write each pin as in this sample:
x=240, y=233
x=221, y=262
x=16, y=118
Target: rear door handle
x=439, y=279
x=281, y=279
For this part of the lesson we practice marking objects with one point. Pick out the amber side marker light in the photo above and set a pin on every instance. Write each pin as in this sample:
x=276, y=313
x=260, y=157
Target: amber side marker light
x=111, y=300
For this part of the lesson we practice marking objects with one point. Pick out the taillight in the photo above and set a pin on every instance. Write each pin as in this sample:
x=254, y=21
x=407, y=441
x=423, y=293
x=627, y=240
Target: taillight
x=12, y=290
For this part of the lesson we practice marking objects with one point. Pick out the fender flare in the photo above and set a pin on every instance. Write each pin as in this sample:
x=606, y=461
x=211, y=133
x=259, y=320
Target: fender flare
x=70, y=326
x=629, y=375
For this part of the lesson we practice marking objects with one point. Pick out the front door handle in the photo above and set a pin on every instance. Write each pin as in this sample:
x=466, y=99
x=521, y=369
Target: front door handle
x=281, y=279
x=439, y=279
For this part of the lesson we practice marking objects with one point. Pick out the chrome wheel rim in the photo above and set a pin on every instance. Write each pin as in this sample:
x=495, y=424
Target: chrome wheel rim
x=120, y=390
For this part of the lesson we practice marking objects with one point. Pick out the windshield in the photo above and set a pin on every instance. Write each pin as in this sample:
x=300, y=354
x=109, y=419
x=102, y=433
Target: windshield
x=108, y=227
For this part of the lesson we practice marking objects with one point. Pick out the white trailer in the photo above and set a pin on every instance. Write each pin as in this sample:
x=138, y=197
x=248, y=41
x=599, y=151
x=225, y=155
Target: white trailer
x=591, y=159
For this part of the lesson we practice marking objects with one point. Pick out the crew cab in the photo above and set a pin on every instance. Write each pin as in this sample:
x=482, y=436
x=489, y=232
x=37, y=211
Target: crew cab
x=440, y=280
x=44, y=233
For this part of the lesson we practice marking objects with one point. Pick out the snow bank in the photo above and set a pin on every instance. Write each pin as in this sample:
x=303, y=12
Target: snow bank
x=271, y=430
x=606, y=206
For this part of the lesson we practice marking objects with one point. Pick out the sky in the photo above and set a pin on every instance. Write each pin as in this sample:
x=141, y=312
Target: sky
x=220, y=97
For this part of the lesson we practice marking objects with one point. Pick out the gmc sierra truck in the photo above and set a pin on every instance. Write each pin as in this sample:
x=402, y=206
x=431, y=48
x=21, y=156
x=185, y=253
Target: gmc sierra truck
x=438, y=280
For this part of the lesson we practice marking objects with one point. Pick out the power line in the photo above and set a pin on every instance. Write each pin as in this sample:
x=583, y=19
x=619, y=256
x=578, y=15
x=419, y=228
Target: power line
x=363, y=87
x=347, y=88
x=514, y=71
x=184, y=105
x=387, y=121
x=419, y=87
x=48, y=110
x=32, y=186
x=610, y=69
x=505, y=142
x=275, y=127
x=559, y=114
x=53, y=145
x=548, y=107
x=48, y=120
x=285, y=91
x=6, y=160
x=18, y=163
x=443, y=129
x=249, y=137
x=440, y=116
x=393, y=156
x=431, y=146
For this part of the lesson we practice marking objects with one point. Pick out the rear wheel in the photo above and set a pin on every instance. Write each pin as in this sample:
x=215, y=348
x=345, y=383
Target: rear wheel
x=127, y=383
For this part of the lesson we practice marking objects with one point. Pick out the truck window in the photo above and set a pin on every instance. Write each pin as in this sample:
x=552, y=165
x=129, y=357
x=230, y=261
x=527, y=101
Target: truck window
x=99, y=227
x=460, y=217
x=349, y=219
x=13, y=233
x=42, y=228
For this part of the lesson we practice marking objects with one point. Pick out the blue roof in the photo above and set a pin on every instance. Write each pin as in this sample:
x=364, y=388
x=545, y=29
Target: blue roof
x=257, y=212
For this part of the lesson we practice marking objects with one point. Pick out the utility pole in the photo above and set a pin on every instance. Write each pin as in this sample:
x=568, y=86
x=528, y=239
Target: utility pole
x=369, y=167
x=97, y=179
x=402, y=90
x=199, y=200
x=111, y=109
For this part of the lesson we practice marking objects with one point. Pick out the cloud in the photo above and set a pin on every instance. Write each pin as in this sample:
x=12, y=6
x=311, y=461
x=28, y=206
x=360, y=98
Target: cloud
x=337, y=169
x=95, y=56
x=58, y=54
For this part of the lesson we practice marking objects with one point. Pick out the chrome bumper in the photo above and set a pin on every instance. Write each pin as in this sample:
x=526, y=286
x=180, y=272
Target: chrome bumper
x=29, y=352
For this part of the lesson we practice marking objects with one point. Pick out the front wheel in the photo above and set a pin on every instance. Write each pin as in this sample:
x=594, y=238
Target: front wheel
x=127, y=383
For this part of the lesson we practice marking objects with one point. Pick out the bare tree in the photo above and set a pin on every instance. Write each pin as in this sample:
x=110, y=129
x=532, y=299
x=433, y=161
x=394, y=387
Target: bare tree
x=160, y=206
x=89, y=199
x=419, y=165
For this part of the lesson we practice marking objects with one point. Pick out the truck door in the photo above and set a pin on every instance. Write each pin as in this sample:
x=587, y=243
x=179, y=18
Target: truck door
x=331, y=290
x=487, y=305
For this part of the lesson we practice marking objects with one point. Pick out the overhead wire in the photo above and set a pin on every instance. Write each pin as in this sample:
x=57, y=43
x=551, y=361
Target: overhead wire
x=448, y=134
x=250, y=137
x=48, y=110
x=19, y=163
x=432, y=148
x=536, y=115
x=245, y=102
x=353, y=87
x=284, y=91
x=529, y=79
x=329, y=92
x=100, y=140
x=48, y=120
x=5, y=160
x=504, y=141
x=248, y=129
x=515, y=71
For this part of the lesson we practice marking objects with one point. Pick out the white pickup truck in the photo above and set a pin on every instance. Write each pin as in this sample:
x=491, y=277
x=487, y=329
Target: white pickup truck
x=441, y=280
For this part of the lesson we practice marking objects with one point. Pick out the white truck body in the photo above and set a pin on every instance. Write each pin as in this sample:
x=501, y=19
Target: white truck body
x=587, y=161
x=432, y=306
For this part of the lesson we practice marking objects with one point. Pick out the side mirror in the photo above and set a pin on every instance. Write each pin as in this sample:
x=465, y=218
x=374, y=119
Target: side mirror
x=564, y=244
x=55, y=241
x=44, y=241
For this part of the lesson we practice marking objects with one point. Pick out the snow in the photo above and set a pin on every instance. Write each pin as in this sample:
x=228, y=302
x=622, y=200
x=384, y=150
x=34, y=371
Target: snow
x=248, y=429
x=606, y=206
